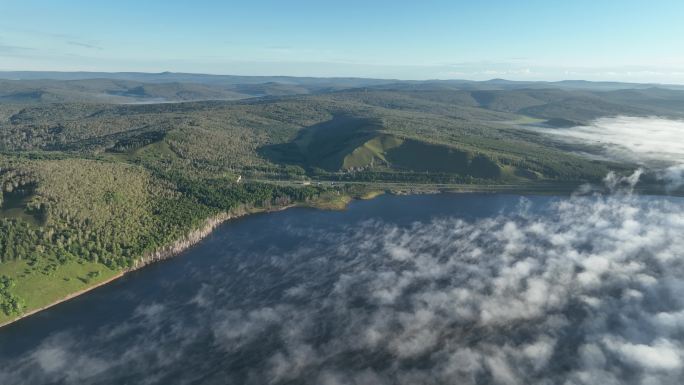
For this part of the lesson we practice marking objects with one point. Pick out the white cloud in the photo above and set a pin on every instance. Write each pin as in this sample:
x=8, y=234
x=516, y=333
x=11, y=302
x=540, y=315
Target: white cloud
x=674, y=176
x=635, y=139
x=662, y=355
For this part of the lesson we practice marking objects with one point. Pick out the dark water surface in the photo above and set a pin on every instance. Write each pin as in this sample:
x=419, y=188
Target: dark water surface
x=363, y=296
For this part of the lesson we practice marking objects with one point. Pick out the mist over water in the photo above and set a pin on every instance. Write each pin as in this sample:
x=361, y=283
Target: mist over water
x=634, y=139
x=468, y=289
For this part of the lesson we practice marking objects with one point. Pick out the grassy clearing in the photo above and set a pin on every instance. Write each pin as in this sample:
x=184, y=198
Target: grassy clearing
x=39, y=288
x=331, y=201
x=16, y=209
x=371, y=194
x=372, y=153
x=153, y=152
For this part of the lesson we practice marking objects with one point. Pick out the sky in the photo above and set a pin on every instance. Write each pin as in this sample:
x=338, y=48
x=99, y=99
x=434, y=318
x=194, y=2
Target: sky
x=622, y=40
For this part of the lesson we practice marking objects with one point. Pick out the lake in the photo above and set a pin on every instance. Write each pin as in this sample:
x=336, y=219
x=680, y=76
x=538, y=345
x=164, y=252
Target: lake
x=447, y=288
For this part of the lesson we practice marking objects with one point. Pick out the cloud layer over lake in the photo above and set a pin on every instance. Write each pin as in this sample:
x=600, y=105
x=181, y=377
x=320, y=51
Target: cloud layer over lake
x=586, y=291
x=634, y=139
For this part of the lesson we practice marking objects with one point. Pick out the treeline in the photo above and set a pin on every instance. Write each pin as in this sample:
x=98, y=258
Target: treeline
x=226, y=196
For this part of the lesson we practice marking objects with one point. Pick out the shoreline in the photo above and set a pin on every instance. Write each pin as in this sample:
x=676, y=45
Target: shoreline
x=64, y=299
x=211, y=223
x=161, y=254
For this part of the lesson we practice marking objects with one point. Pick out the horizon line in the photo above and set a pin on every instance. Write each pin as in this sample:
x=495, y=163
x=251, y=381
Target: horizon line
x=330, y=77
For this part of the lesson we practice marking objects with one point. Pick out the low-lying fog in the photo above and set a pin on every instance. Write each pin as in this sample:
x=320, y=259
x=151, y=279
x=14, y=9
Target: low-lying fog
x=652, y=142
x=634, y=139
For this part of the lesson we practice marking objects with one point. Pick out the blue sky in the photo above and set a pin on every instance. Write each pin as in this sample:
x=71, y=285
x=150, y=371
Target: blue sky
x=629, y=40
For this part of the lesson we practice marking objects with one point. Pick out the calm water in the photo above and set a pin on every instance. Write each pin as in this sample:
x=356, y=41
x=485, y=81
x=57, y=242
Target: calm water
x=308, y=296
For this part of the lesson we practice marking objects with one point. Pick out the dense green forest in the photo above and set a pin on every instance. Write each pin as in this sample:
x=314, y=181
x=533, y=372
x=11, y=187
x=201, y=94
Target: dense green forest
x=89, y=187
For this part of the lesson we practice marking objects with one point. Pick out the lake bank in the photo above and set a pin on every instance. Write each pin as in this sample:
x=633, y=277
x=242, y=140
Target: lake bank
x=324, y=202
x=329, y=202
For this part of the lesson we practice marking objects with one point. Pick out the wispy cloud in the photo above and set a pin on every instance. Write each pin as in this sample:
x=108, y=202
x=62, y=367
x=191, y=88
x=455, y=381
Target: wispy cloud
x=84, y=44
x=14, y=49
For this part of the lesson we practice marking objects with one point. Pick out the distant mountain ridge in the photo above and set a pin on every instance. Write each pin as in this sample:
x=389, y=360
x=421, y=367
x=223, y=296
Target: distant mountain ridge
x=169, y=77
x=131, y=87
x=344, y=82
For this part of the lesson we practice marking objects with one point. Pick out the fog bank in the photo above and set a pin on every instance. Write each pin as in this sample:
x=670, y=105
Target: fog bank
x=645, y=141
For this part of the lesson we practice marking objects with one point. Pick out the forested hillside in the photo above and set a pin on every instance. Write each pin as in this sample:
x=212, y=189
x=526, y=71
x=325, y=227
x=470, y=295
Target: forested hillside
x=266, y=136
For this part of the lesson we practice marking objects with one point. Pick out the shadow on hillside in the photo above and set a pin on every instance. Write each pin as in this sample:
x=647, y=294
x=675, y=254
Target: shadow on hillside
x=324, y=145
